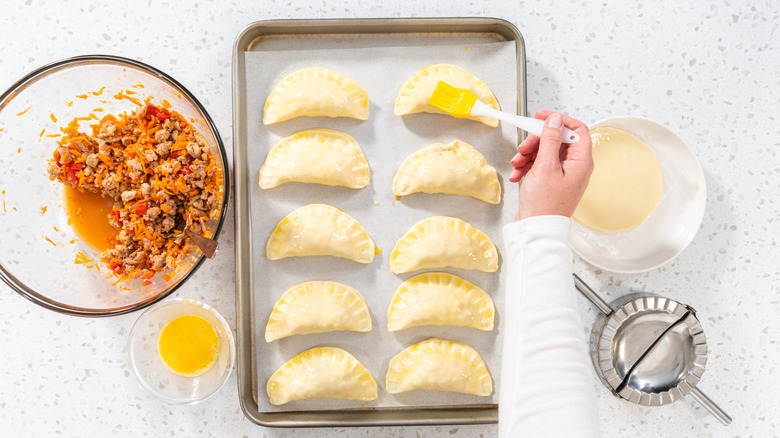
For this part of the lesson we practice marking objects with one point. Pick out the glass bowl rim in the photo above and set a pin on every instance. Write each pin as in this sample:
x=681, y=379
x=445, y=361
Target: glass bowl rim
x=177, y=302
x=8, y=278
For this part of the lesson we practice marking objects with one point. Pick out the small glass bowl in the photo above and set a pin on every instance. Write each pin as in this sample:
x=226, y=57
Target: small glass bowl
x=148, y=367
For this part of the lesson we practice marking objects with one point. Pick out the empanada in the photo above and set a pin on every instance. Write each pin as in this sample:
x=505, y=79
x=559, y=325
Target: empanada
x=315, y=92
x=319, y=156
x=456, y=168
x=438, y=298
x=324, y=372
x=319, y=229
x=440, y=365
x=442, y=241
x=316, y=307
x=415, y=92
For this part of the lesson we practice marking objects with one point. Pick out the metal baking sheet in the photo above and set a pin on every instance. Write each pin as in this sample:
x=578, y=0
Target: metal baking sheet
x=260, y=283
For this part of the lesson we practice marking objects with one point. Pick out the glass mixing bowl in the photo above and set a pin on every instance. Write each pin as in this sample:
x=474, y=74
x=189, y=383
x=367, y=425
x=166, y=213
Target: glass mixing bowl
x=38, y=248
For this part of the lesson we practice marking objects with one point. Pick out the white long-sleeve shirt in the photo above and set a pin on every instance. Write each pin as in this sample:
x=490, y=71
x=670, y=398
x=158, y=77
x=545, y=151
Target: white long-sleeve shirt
x=546, y=376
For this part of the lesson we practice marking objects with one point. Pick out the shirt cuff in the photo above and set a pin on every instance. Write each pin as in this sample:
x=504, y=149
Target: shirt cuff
x=552, y=226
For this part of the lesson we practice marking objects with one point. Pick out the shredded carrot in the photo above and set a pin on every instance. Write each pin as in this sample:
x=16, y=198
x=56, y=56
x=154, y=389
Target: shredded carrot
x=82, y=96
x=70, y=104
x=97, y=110
x=138, y=85
x=50, y=241
x=53, y=118
x=121, y=95
x=97, y=93
x=2, y=129
x=72, y=241
x=130, y=92
x=19, y=150
x=14, y=208
x=28, y=109
x=146, y=283
x=53, y=135
x=43, y=131
x=43, y=211
x=81, y=258
x=56, y=229
x=165, y=103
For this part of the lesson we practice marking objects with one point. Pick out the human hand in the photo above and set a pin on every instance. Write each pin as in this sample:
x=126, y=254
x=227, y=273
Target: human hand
x=555, y=174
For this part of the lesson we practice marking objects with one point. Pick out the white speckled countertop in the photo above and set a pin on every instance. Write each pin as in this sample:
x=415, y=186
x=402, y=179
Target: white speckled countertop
x=709, y=72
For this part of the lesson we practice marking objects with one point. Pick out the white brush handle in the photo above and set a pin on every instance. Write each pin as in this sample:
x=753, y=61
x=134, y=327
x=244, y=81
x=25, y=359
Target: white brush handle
x=527, y=124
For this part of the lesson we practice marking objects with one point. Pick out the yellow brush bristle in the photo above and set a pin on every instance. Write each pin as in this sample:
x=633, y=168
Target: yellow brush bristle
x=456, y=102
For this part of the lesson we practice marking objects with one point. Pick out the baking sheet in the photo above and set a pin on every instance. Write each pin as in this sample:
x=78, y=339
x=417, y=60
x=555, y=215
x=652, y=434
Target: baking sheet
x=386, y=140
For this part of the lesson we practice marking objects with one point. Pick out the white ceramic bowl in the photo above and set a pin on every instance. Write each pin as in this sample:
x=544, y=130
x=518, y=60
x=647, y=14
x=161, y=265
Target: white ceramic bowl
x=673, y=224
x=147, y=365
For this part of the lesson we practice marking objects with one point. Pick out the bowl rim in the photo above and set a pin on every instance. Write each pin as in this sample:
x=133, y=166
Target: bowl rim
x=178, y=302
x=8, y=278
x=699, y=216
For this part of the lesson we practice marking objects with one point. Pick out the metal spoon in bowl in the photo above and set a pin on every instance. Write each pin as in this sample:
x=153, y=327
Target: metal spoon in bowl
x=208, y=246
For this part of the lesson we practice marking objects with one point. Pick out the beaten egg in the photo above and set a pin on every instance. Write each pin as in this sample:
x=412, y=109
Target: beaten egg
x=188, y=345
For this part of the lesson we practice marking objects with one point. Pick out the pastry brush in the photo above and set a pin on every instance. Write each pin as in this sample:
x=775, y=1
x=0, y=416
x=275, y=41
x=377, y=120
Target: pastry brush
x=462, y=103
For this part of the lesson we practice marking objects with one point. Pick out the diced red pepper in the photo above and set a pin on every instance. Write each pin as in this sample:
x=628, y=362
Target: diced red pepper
x=73, y=170
x=114, y=266
x=140, y=207
x=148, y=275
x=146, y=283
x=115, y=215
x=185, y=170
x=161, y=114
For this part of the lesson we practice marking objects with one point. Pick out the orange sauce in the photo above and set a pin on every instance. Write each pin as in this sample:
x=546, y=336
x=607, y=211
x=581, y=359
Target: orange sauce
x=88, y=215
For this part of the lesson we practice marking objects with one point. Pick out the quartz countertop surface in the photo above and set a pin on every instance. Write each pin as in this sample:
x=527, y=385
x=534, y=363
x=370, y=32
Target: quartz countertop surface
x=707, y=70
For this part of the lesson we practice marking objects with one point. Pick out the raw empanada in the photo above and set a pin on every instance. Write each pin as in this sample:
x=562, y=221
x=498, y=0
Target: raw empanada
x=314, y=92
x=443, y=241
x=440, y=365
x=317, y=156
x=324, y=372
x=316, y=307
x=438, y=298
x=319, y=229
x=456, y=168
x=415, y=92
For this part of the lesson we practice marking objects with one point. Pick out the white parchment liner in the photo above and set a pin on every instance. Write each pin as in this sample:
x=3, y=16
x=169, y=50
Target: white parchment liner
x=386, y=140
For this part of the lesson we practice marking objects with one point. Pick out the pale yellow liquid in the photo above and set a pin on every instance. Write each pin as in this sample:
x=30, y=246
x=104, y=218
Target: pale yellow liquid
x=626, y=184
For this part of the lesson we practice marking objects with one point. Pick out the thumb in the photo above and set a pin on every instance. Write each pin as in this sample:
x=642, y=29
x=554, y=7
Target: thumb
x=550, y=141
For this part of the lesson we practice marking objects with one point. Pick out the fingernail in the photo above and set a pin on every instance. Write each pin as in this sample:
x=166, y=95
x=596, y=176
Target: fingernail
x=514, y=175
x=515, y=158
x=555, y=121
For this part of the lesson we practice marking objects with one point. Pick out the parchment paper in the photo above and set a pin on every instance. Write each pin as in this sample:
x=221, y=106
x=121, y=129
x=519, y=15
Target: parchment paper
x=386, y=140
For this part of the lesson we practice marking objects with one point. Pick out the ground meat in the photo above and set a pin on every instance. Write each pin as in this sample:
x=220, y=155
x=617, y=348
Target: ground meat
x=162, y=135
x=128, y=196
x=93, y=160
x=157, y=170
x=150, y=155
x=146, y=190
x=193, y=149
x=163, y=149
